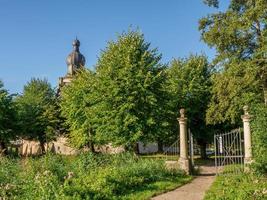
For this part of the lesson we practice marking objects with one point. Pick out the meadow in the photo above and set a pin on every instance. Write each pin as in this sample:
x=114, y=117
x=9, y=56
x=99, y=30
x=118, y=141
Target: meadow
x=87, y=176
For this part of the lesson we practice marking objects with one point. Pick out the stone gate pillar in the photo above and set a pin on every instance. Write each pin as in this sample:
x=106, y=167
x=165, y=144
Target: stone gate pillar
x=184, y=163
x=247, y=136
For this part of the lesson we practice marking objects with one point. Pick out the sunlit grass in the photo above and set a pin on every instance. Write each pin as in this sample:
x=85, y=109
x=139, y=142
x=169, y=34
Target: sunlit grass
x=238, y=187
x=87, y=176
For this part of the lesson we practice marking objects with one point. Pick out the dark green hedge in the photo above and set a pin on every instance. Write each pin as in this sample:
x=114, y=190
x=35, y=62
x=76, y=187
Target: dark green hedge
x=259, y=138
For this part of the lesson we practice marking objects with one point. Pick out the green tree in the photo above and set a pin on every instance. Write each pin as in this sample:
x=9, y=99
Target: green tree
x=7, y=118
x=37, y=113
x=78, y=107
x=239, y=37
x=232, y=88
x=130, y=83
x=189, y=86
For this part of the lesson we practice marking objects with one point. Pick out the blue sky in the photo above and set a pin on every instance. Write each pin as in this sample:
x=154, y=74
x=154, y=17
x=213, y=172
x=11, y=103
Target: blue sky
x=36, y=36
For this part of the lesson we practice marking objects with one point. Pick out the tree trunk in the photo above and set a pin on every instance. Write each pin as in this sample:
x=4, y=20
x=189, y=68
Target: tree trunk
x=3, y=149
x=265, y=97
x=90, y=144
x=160, y=146
x=265, y=92
x=91, y=147
x=203, y=154
x=42, y=145
x=136, y=148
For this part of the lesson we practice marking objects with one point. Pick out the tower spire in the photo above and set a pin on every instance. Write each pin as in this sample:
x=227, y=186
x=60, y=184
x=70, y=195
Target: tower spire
x=75, y=60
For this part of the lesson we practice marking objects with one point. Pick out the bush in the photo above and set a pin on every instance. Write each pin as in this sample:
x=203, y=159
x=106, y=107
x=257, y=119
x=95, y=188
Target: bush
x=259, y=138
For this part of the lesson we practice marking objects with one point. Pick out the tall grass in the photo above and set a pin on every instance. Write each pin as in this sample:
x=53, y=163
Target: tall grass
x=87, y=176
x=238, y=187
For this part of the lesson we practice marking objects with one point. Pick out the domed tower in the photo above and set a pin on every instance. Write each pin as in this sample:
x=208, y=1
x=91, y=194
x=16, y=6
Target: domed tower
x=75, y=61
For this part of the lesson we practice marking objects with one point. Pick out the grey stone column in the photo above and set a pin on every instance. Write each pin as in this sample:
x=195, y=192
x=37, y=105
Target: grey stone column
x=184, y=163
x=247, y=136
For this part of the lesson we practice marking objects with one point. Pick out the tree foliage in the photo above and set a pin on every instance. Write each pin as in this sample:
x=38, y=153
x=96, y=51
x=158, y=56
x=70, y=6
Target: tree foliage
x=7, y=117
x=239, y=37
x=131, y=81
x=78, y=103
x=37, y=111
x=189, y=86
x=233, y=88
x=212, y=3
x=121, y=101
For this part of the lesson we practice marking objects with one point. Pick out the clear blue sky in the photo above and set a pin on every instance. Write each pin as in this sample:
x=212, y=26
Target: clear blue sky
x=36, y=36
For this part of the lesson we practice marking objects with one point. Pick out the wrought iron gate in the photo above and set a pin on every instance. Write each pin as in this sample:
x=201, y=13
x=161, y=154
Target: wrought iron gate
x=229, y=152
x=172, y=152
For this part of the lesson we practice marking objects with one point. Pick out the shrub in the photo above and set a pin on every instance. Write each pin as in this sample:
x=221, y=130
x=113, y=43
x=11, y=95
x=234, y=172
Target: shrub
x=259, y=138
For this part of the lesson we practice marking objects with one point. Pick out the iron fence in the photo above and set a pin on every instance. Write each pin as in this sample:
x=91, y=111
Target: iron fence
x=229, y=152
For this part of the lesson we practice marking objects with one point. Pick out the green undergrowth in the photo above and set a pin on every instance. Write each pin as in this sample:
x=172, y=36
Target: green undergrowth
x=259, y=139
x=238, y=187
x=160, y=156
x=87, y=176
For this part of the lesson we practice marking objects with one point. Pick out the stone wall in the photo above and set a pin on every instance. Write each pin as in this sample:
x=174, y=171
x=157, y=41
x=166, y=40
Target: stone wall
x=60, y=146
x=108, y=148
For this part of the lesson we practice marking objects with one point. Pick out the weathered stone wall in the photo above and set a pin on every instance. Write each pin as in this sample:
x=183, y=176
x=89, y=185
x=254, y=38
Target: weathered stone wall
x=109, y=149
x=60, y=146
x=29, y=148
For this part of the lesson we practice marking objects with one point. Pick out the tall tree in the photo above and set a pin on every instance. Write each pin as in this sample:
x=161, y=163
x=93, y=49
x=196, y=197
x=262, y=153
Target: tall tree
x=37, y=111
x=7, y=118
x=189, y=86
x=239, y=37
x=130, y=79
x=78, y=107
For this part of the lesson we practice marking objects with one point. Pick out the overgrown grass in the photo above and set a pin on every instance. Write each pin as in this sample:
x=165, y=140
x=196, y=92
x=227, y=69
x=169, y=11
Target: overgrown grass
x=160, y=156
x=238, y=187
x=87, y=176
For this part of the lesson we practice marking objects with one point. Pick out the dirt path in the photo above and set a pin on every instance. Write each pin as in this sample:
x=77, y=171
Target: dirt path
x=194, y=190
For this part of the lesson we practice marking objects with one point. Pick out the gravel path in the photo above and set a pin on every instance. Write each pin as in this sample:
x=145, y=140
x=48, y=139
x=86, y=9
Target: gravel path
x=194, y=190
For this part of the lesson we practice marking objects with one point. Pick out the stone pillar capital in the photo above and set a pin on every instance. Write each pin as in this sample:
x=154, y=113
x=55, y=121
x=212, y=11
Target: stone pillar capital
x=246, y=117
x=182, y=112
x=182, y=119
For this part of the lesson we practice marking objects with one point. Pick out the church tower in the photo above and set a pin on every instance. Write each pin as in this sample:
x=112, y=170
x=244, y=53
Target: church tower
x=75, y=61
